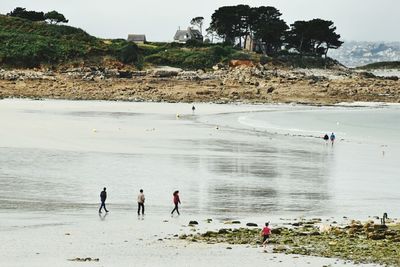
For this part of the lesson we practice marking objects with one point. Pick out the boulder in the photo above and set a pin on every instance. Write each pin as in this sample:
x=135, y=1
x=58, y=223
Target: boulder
x=376, y=236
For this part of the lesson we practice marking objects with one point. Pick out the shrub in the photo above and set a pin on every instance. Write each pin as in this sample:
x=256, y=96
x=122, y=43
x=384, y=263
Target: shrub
x=128, y=53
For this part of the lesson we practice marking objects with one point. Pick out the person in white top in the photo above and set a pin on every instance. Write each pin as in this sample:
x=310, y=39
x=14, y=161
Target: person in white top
x=140, y=201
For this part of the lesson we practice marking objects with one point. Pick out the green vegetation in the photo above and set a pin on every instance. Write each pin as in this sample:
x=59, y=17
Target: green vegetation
x=34, y=39
x=269, y=33
x=191, y=58
x=26, y=43
x=381, y=65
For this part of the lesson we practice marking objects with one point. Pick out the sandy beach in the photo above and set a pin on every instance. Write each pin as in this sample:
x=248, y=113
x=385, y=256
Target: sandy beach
x=53, y=169
x=121, y=239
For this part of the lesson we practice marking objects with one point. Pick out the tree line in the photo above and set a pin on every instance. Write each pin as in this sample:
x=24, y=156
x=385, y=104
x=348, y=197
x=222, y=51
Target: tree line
x=240, y=24
x=53, y=17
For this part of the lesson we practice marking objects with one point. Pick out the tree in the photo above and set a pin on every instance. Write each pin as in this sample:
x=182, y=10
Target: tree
x=54, y=17
x=30, y=15
x=316, y=36
x=268, y=27
x=231, y=23
x=198, y=22
x=299, y=37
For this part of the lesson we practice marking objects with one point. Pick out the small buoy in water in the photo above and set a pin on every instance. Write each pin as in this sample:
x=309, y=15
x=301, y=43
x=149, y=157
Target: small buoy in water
x=94, y=130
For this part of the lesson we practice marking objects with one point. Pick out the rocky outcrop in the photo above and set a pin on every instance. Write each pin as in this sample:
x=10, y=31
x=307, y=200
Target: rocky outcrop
x=255, y=84
x=21, y=75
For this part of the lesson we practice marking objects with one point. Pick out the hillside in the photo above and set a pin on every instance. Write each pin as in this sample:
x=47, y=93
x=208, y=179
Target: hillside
x=24, y=43
x=355, y=54
x=27, y=44
x=381, y=65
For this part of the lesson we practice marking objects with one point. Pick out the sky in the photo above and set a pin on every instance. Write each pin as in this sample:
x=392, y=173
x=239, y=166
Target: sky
x=356, y=20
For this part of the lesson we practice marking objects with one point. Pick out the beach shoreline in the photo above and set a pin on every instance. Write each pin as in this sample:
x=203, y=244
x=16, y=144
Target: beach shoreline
x=122, y=239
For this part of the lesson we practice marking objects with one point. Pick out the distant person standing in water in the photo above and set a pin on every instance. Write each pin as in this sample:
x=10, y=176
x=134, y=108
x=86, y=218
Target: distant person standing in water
x=333, y=137
x=103, y=197
x=177, y=201
x=193, y=108
x=140, y=201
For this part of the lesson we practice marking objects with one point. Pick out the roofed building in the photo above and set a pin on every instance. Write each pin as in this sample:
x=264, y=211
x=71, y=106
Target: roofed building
x=182, y=36
x=137, y=38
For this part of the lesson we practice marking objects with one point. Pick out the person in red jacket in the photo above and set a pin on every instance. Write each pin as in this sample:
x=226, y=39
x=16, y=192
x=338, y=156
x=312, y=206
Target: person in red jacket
x=177, y=201
x=265, y=233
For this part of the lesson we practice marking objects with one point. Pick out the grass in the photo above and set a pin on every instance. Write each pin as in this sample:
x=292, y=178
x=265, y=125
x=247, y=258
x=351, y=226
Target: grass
x=24, y=43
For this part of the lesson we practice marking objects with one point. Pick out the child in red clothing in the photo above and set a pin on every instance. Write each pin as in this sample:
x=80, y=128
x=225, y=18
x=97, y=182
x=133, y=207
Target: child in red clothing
x=265, y=233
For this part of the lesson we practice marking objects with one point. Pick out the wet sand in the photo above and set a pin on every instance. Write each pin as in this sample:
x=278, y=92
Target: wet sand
x=122, y=239
x=57, y=155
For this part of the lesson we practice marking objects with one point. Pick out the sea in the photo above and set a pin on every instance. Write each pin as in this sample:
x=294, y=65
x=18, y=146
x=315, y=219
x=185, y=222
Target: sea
x=227, y=161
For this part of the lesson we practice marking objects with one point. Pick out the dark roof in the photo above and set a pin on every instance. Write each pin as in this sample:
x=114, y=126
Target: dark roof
x=181, y=34
x=137, y=38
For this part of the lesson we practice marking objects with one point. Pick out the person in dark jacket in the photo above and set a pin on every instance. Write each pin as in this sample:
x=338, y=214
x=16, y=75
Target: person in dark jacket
x=103, y=197
x=177, y=201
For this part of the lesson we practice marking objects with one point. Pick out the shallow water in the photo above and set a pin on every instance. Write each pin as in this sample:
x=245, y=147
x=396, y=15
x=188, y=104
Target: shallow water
x=230, y=161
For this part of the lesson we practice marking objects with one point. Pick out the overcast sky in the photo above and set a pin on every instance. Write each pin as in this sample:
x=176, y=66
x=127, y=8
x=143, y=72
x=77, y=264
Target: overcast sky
x=360, y=20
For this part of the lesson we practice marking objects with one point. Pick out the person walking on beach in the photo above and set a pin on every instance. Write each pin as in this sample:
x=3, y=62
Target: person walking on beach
x=333, y=137
x=326, y=138
x=103, y=197
x=140, y=201
x=265, y=233
x=177, y=201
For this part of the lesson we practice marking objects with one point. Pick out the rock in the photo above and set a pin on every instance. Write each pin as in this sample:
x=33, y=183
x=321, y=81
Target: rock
x=139, y=73
x=223, y=231
x=392, y=78
x=251, y=224
x=228, y=247
x=218, y=67
x=236, y=222
x=209, y=220
x=376, y=236
x=188, y=75
x=270, y=89
x=280, y=248
x=367, y=75
x=314, y=233
x=125, y=74
x=193, y=223
x=209, y=234
x=166, y=72
x=380, y=227
x=276, y=231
